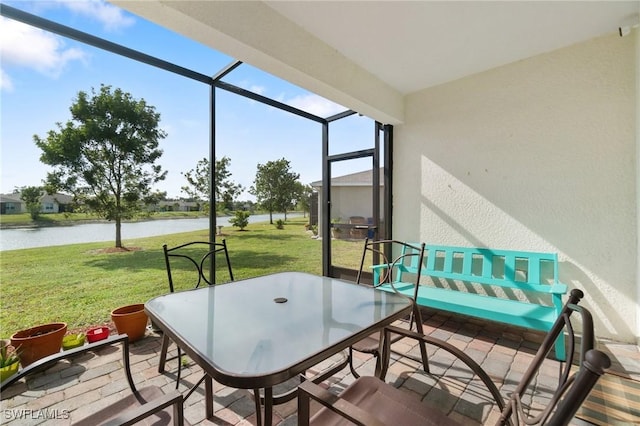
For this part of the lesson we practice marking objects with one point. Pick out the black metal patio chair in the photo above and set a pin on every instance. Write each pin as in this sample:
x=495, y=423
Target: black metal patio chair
x=195, y=258
x=370, y=401
x=390, y=274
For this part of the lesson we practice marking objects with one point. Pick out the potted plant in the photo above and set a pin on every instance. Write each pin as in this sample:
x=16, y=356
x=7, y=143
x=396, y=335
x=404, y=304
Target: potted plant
x=9, y=360
x=130, y=320
x=72, y=341
x=39, y=341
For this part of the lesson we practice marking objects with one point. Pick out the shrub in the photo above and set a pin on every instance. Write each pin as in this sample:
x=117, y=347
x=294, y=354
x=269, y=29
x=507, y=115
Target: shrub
x=280, y=224
x=241, y=219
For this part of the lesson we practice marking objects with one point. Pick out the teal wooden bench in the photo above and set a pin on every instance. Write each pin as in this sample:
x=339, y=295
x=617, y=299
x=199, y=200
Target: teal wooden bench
x=512, y=287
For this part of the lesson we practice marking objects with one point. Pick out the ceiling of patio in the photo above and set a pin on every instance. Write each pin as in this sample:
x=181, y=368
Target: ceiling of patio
x=368, y=55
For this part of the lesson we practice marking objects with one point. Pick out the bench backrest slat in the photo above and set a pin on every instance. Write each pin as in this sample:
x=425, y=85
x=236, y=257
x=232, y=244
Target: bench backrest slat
x=507, y=268
x=467, y=265
x=487, y=265
x=510, y=268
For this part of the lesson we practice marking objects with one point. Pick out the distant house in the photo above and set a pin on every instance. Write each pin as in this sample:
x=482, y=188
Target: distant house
x=56, y=203
x=351, y=198
x=11, y=203
x=178, y=206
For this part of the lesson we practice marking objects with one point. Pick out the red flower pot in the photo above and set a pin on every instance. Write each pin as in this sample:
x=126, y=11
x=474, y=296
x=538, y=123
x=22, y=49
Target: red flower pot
x=130, y=320
x=96, y=334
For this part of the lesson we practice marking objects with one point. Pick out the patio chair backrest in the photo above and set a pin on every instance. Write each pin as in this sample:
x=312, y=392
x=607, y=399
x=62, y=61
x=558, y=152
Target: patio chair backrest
x=391, y=260
x=196, y=254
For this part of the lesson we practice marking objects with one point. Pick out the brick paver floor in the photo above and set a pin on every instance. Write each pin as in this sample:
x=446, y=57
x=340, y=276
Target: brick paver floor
x=70, y=391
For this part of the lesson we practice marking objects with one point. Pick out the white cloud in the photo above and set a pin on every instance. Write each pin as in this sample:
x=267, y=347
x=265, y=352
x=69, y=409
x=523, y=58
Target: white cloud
x=5, y=82
x=25, y=46
x=310, y=103
x=315, y=104
x=111, y=17
x=260, y=90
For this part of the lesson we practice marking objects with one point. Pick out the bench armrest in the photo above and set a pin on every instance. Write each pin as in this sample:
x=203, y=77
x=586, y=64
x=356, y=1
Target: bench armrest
x=309, y=390
x=379, y=266
x=558, y=289
x=377, y=270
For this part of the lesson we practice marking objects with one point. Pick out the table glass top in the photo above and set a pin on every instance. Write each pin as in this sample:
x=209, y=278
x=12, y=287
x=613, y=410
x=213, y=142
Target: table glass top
x=266, y=324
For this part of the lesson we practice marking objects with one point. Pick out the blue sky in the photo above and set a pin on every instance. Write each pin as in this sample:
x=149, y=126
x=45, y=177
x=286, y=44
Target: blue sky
x=41, y=74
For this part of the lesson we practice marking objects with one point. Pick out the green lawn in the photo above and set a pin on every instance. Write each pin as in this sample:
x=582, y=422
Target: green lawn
x=79, y=285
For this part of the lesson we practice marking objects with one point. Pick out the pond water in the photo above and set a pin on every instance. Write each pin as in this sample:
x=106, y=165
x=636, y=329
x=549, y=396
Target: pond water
x=13, y=239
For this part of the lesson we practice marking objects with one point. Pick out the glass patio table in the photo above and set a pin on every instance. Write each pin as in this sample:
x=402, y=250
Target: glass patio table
x=260, y=332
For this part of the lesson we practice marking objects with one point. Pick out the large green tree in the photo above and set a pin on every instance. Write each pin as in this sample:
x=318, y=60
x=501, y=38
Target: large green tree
x=275, y=186
x=199, y=183
x=106, y=154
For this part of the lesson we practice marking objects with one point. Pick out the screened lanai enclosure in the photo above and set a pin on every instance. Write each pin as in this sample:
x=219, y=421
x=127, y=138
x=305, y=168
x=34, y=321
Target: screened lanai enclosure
x=338, y=213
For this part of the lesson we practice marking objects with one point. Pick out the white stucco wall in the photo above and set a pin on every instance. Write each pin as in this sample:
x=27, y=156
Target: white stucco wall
x=637, y=36
x=536, y=155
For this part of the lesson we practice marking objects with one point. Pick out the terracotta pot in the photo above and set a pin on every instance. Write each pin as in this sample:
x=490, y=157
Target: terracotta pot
x=39, y=341
x=130, y=320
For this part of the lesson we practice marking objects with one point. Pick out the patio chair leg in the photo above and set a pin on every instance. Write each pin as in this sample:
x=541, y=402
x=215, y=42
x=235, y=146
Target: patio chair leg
x=268, y=406
x=256, y=397
x=208, y=386
x=163, y=353
x=179, y=367
x=425, y=357
x=353, y=370
x=423, y=346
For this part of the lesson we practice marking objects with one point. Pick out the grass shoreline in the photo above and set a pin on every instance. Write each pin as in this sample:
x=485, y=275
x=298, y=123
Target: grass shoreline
x=23, y=220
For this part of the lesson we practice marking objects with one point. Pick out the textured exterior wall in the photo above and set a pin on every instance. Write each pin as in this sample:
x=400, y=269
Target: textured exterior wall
x=535, y=155
x=637, y=48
